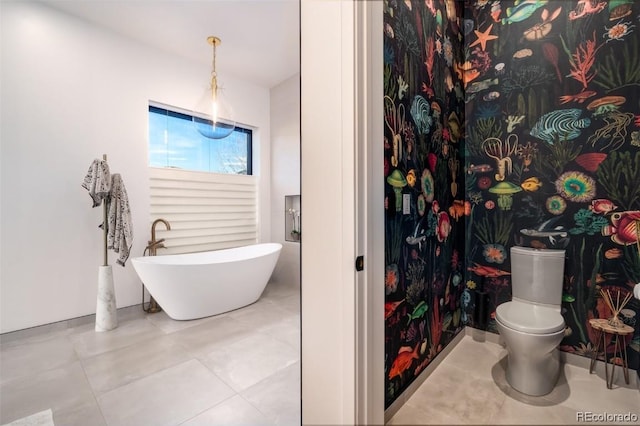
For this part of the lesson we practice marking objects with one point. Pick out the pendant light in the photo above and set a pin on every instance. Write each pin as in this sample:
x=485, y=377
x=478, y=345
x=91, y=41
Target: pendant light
x=220, y=122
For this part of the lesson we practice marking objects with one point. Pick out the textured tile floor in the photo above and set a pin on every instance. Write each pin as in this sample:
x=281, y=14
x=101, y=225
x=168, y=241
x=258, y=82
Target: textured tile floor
x=238, y=368
x=470, y=387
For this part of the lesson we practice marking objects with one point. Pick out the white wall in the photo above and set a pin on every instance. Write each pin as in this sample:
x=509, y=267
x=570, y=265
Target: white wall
x=71, y=92
x=285, y=173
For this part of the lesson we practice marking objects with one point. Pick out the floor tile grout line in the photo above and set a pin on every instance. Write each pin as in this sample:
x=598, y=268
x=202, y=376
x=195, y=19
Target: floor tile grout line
x=236, y=393
x=207, y=409
x=93, y=392
x=284, y=341
x=168, y=366
x=218, y=377
x=164, y=369
x=266, y=415
x=147, y=318
x=200, y=359
x=240, y=393
x=66, y=364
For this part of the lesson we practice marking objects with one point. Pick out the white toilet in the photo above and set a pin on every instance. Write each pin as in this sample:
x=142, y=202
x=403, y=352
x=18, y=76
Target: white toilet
x=531, y=324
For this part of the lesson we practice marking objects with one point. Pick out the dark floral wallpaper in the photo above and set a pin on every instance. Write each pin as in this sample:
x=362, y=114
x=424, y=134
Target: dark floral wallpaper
x=424, y=178
x=507, y=123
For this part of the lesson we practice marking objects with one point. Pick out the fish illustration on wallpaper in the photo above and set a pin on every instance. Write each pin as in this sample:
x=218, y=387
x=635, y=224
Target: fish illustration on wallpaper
x=403, y=361
x=547, y=230
x=418, y=311
x=587, y=7
x=466, y=72
x=479, y=86
x=479, y=168
x=578, y=97
x=624, y=228
x=602, y=206
x=531, y=184
x=561, y=124
x=390, y=308
x=487, y=271
x=522, y=10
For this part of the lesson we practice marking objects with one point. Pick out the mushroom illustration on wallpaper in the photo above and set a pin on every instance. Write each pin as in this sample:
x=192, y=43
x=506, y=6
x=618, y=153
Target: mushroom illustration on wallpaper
x=397, y=181
x=505, y=191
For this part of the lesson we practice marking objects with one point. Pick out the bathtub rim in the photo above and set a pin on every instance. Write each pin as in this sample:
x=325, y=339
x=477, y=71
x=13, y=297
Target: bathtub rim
x=211, y=256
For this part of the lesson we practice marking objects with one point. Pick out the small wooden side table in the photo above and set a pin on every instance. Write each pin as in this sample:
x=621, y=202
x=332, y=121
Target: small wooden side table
x=603, y=328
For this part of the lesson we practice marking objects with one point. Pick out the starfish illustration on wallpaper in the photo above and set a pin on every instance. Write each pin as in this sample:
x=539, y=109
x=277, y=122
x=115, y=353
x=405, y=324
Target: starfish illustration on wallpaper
x=483, y=37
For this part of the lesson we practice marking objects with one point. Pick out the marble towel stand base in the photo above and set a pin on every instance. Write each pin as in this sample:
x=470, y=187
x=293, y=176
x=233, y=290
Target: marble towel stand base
x=106, y=314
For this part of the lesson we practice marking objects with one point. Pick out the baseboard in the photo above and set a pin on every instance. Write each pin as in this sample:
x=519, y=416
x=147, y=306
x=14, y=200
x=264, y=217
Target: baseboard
x=483, y=336
x=418, y=381
x=60, y=326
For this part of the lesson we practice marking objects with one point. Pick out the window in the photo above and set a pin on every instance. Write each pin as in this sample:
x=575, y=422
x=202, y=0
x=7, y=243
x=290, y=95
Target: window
x=175, y=143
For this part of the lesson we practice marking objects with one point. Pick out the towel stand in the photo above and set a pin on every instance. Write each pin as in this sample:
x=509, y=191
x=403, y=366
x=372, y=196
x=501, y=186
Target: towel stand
x=106, y=309
x=104, y=225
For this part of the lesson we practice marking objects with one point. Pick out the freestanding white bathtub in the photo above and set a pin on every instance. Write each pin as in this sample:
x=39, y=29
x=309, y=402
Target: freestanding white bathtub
x=197, y=285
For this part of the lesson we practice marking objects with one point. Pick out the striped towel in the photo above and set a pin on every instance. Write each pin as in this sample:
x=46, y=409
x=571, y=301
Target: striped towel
x=98, y=181
x=120, y=227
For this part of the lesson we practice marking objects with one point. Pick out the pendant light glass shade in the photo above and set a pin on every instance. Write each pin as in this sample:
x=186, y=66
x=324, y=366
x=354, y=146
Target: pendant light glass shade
x=217, y=120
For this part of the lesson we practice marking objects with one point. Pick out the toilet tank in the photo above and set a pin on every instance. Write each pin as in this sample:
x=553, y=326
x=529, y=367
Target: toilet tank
x=537, y=274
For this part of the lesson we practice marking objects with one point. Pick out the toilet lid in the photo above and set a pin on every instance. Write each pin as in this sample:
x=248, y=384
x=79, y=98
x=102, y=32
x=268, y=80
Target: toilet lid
x=530, y=318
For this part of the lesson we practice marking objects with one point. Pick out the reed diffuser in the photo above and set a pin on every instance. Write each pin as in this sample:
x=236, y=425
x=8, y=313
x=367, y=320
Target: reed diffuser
x=615, y=307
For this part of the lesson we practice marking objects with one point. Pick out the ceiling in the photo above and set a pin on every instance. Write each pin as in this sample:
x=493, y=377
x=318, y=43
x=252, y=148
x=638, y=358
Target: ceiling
x=260, y=38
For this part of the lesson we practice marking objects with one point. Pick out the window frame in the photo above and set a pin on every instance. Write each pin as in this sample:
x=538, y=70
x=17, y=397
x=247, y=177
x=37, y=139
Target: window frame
x=180, y=113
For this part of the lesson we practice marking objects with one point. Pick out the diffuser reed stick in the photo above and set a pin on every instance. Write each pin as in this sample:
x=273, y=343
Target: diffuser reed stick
x=615, y=321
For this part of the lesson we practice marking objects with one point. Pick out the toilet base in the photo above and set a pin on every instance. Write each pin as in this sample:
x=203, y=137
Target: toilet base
x=533, y=362
x=533, y=377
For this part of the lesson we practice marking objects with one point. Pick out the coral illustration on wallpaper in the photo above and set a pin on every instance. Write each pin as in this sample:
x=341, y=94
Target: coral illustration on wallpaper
x=508, y=122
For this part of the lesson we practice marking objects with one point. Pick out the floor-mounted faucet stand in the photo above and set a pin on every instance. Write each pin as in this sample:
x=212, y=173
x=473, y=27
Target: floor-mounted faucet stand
x=152, y=247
